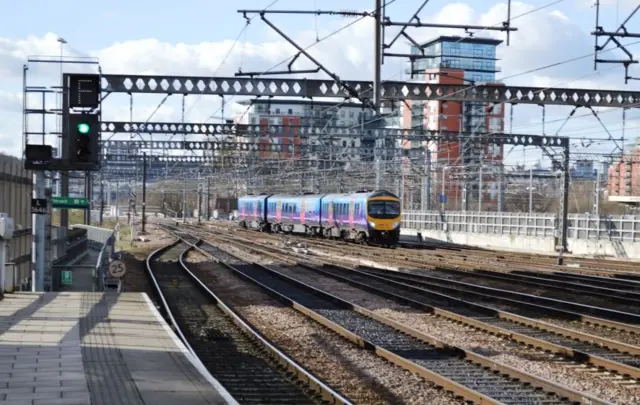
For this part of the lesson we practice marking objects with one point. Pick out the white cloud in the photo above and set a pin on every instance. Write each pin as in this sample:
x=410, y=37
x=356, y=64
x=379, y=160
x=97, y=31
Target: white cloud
x=543, y=37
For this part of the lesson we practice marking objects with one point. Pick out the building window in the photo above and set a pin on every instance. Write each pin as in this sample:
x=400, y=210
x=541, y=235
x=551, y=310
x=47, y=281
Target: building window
x=495, y=124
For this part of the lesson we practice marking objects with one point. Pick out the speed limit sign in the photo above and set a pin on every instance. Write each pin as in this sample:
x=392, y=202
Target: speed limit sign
x=117, y=269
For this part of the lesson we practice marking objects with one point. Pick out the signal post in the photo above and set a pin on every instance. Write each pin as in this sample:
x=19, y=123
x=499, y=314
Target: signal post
x=80, y=152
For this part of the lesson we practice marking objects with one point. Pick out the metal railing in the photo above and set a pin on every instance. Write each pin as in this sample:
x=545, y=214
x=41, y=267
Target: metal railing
x=581, y=226
x=101, y=240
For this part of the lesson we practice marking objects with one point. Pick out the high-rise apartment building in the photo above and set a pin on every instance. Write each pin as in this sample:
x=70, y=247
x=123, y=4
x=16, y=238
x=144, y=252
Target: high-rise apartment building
x=290, y=114
x=459, y=61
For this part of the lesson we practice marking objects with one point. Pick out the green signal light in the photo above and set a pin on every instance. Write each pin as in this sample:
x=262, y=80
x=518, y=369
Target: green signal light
x=84, y=128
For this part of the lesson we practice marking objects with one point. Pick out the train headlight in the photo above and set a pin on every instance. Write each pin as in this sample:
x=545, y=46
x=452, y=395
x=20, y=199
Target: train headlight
x=396, y=224
x=372, y=224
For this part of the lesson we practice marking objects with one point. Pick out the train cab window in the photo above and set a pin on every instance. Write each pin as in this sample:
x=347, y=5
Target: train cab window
x=384, y=209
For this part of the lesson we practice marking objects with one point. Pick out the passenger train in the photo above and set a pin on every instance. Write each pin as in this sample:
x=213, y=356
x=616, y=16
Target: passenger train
x=365, y=216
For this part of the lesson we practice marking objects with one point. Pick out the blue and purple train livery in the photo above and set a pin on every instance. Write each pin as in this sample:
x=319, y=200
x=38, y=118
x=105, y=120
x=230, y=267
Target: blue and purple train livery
x=368, y=216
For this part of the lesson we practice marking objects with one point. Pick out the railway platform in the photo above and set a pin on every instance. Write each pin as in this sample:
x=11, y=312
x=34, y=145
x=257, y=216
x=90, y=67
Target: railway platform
x=98, y=349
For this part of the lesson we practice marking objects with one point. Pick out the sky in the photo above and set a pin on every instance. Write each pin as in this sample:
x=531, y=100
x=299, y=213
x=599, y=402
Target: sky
x=140, y=37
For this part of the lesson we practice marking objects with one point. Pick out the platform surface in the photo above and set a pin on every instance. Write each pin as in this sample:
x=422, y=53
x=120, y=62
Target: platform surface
x=94, y=349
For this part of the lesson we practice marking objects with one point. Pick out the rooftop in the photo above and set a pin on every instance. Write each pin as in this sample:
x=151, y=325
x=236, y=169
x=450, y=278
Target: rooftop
x=465, y=40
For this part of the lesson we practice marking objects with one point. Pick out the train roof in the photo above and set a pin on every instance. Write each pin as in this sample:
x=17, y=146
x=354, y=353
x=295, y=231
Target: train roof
x=254, y=196
x=290, y=196
x=359, y=194
x=363, y=194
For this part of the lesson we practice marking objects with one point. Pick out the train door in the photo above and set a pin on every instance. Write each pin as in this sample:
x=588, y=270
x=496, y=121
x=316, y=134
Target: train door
x=352, y=206
x=302, y=209
x=330, y=217
x=279, y=211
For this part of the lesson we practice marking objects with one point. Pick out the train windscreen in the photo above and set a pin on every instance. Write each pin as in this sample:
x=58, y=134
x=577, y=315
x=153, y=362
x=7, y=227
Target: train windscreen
x=384, y=209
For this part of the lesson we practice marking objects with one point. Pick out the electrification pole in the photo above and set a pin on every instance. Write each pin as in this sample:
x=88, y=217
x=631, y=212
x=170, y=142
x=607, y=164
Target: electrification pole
x=144, y=193
x=530, y=190
x=377, y=82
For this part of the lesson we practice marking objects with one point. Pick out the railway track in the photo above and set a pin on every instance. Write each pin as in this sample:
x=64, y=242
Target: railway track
x=524, y=304
x=467, y=374
x=469, y=257
x=584, y=348
x=251, y=369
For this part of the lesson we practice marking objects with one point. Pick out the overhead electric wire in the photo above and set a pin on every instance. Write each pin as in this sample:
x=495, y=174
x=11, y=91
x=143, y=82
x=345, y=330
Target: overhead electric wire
x=319, y=40
x=470, y=87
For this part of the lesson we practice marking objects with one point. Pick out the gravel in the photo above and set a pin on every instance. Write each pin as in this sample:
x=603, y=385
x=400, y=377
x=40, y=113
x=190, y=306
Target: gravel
x=596, y=330
x=542, y=364
x=358, y=374
x=583, y=298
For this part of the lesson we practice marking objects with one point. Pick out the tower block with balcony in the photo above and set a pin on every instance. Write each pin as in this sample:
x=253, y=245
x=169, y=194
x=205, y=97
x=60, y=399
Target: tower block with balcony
x=458, y=60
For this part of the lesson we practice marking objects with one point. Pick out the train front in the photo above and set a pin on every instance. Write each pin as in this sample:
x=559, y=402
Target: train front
x=383, y=219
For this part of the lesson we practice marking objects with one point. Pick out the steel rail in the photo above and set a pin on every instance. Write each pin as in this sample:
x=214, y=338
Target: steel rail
x=158, y=252
x=326, y=393
x=465, y=392
x=291, y=366
x=615, y=283
x=622, y=297
x=577, y=355
x=621, y=319
x=523, y=304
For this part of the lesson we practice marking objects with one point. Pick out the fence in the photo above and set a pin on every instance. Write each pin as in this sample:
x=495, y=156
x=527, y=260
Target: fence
x=581, y=226
x=100, y=240
x=15, y=200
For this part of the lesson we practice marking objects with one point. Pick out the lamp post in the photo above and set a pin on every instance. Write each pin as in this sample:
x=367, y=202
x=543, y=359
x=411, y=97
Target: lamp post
x=61, y=41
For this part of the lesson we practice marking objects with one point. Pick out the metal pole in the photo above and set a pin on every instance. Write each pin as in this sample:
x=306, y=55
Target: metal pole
x=101, y=201
x=144, y=192
x=377, y=79
x=480, y=189
x=443, y=195
x=184, y=202
x=208, y=198
x=530, y=190
x=64, y=178
x=199, y=201
x=596, y=205
x=87, y=194
x=501, y=190
x=426, y=193
x=564, y=214
x=117, y=200
x=37, y=250
x=3, y=245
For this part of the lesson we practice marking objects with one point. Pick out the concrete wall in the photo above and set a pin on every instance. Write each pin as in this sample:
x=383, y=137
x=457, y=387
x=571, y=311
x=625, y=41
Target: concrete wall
x=15, y=200
x=537, y=244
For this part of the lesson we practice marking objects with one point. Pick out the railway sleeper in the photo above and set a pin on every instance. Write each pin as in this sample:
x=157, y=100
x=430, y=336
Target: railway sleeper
x=413, y=350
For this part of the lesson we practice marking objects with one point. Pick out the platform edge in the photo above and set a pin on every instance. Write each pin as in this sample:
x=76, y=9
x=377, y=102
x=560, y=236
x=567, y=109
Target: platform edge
x=192, y=359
